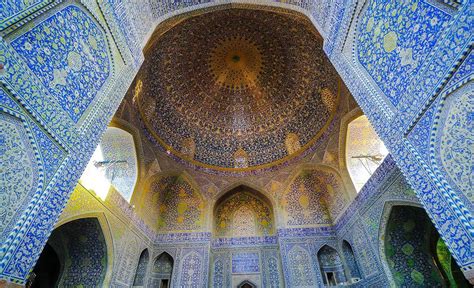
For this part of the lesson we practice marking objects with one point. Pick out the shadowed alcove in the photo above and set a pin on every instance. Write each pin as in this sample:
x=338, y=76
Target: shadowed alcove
x=77, y=253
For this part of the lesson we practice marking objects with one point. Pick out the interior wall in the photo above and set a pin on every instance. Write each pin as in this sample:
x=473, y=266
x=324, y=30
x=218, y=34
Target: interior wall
x=359, y=225
x=315, y=196
x=231, y=265
x=181, y=206
x=52, y=118
x=290, y=258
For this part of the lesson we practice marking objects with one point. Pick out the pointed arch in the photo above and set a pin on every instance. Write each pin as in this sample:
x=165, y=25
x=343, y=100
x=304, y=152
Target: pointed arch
x=409, y=247
x=183, y=174
x=140, y=273
x=162, y=271
x=364, y=151
x=351, y=261
x=114, y=163
x=83, y=251
x=346, y=119
x=141, y=170
x=387, y=210
x=171, y=201
x=330, y=265
x=242, y=183
x=246, y=284
x=301, y=269
x=243, y=212
x=107, y=233
x=314, y=195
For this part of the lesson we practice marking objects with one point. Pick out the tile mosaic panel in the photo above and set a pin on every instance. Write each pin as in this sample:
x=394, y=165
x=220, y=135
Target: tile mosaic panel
x=68, y=52
x=395, y=38
x=245, y=262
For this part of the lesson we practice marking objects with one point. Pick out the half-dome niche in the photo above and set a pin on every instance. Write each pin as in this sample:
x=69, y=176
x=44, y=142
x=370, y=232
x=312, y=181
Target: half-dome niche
x=243, y=212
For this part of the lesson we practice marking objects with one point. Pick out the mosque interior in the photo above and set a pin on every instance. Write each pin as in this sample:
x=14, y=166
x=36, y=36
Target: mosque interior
x=236, y=143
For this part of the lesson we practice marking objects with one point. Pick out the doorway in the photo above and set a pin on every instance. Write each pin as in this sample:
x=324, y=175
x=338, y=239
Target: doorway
x=164, y=283
x=331, y=279
x=246, y=284
x=47, y=270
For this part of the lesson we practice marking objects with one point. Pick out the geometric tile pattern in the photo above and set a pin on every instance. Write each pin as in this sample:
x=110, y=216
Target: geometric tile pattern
x=19, y=171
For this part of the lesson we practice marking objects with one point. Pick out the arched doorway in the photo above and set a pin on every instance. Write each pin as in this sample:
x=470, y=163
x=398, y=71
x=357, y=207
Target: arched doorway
x=75, y=254
x=331, y=267
x=415, y=254
x=162, y=271
x=246, y=284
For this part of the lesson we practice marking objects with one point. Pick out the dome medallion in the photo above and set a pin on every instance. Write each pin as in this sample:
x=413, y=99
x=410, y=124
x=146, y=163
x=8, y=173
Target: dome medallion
x=236, y=63
x=237, y=90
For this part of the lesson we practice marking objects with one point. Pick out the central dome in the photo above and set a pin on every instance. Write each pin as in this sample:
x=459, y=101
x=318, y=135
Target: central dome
x=237, y=89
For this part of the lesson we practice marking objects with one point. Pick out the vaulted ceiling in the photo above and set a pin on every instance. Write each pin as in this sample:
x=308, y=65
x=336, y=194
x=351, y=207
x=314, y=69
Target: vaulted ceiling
x=237, y=89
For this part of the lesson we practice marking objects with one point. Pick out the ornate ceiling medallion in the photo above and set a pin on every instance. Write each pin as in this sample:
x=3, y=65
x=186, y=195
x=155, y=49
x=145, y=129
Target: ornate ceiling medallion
x=236, y=63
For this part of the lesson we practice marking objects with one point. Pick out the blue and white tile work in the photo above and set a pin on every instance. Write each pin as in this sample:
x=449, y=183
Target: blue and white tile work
x=57, y=135
x=390, y=50
x=85, y=260
x=140, y=274
x=66, y=66
x=245, y=262
x=68, y=53
x=17, y=9
x=396, y=117
x=330, y=262
x=256, y=263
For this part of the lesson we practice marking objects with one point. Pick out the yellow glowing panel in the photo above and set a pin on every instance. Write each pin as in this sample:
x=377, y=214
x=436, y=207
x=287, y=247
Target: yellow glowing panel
x=364, y=151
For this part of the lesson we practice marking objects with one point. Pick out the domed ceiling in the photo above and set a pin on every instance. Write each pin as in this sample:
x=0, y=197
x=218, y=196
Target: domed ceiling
x=237, y=89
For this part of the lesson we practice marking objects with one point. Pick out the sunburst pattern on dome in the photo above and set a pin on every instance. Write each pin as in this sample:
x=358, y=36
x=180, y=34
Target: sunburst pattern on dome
x=236, y=63
x=237, y=80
